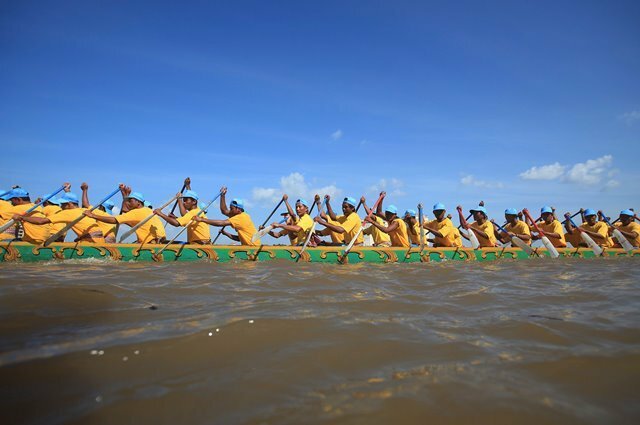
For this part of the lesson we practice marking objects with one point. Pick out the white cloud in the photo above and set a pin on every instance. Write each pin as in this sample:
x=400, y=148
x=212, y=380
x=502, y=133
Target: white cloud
x=590, y=172
x=296, y=187
x=544, y=172
x=336, y=135
x=470, y=180
x=392, y=186
x=630, y=117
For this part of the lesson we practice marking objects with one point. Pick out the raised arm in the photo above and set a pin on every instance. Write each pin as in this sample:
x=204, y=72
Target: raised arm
x=290, y=210
x=329, y=209
x=223, y=202
x=85, y=195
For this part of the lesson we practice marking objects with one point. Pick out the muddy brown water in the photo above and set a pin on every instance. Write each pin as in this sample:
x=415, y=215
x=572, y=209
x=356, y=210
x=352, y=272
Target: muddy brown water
x=539, y=341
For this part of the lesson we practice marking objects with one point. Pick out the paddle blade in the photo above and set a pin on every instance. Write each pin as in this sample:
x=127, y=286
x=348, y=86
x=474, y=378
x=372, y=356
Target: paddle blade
x=7, y=225
x=597, y=250
x=522, y=245
x=622, y=240
x=475, y=243
x=550, y=248
x=260, y=233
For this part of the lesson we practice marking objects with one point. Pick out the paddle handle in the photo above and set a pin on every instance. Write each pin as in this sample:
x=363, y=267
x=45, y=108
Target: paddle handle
x=218, y=235
x=273, y=212
x=184, y=186
x=463, y=221
x=575, y=214
x=533, y=223
x=421, y=223
x=502, y=229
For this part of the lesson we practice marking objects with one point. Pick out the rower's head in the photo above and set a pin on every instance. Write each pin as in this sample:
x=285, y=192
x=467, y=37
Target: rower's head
x=439, y=211
x=190, y=199
x=107, y=206
x=69, y=201
x=50, y=201
x=18, y=196
x=302, y=207
x=236, y=207
x=390, y=213
x=135, y=200
x=348, y=205
x=546, y=213
x=511, y=215
x=626, y=217
x=591, y=216
x=410, y=216
x=479, y=213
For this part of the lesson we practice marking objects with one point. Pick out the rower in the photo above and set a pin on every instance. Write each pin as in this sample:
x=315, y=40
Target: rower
x=413, y=227
x=133, y=212
x=397, y=228
x=551, y=227
x=106, y=210
x=86, y=230
x=629, y=228
x=197, y=232
x=483, y=228
x=598, y=230
x=238, y=220
x=337, y=238
x=299, y=223
x=21, y=202
x=348, y=224
x=514, y=228
x=49, y=208
x=442, y=228
x=380, y=238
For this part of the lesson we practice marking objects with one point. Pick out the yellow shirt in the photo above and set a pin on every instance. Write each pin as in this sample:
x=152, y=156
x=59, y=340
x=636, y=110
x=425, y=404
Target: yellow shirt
x=520, y=228
x=486, y=227
x=108, y=229
x=554, y=227
x=195, y=231
x=399, y=236
x=631, y=227
x=336, y=237
x=50, y=210
x=602, y=228
x=305, y=222
x=378, y=235
x=33, y=233
x=84, y=227
x=351, y=224
x=413, y=232
x=450, y=234
x=152, y=229
x=5, y=206
x=244, y=226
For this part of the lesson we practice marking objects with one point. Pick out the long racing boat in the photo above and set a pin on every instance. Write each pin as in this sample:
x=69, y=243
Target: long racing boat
x=25, y=252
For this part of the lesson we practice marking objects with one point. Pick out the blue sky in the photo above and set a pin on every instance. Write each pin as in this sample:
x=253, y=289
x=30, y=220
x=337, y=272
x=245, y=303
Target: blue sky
x=432, y=101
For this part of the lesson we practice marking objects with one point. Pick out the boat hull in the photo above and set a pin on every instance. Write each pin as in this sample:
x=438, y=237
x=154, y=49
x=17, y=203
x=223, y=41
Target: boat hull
x=25, y=252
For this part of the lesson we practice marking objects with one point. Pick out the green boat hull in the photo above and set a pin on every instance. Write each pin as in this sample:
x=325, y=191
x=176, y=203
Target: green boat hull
x=24, y=252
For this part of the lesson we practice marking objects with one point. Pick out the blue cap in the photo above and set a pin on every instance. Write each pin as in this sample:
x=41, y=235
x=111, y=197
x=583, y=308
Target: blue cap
x=136, y=195
x=349, y=200
x=439, y=206
x=410, y=212
x=147, y=204
x=627, y=212
x=69, y=198
x=18, y=192
x=190, y=194
x=53, y=200
x=546, y=209
x=303, y=202
x=481, y=209
x=237, y=203
x=4, y=194
x=392, y=209
x=108, y=206
x=510, y=211
x=589, y=211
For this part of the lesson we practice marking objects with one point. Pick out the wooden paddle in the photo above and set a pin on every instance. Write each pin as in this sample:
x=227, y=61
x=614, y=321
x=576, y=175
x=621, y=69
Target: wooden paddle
x=66, y=228
x=516, y=240
x=545, y=240
x=475, y=243
x=624, y=242
x=218, y=235
x=260, y=233
x=11, y=222
x=353, y=240
x=202, y=211
x=184, y=186
x=311, y=230
x=146, y=219
x=421, y=223
x=597, y=250
x=257, y=234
